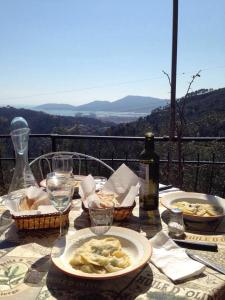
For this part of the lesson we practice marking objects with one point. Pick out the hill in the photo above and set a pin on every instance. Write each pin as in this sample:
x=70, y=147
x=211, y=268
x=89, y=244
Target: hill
x=126, y=104
x=55, y=106
x=41, y=122
x=204, y=115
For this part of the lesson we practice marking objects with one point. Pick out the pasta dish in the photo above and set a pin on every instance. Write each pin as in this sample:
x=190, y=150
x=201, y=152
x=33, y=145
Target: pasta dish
x=100, y=256
x=199, y=209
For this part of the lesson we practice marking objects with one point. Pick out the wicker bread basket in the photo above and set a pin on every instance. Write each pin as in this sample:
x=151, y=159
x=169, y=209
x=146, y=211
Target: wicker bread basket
x=120, y=213
x=42, y=221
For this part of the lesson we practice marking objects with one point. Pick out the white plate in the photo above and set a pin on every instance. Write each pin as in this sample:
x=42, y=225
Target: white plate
x=77, y=179
x=134, y=244
x=99, y=181
x=168, y=200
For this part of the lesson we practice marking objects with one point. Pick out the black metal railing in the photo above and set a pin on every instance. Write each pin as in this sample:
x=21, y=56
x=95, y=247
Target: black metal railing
x=125, y=149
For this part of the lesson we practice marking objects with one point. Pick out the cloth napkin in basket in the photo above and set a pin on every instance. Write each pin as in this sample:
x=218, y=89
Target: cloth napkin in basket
x=31, y=201
x=172, y=260
x=123, y=183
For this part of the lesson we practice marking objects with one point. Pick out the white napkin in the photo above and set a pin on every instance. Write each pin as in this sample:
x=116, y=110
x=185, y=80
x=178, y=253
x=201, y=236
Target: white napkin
x=37, y=197
x=123, y=183
x=172, y=260
x=121, y=180
x=37, y=200
x=87, y=187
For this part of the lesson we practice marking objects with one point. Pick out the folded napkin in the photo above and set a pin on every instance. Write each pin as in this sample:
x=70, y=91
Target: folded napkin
x=29, y=201
x=172, y=260
x=36, y=197
x=123, y=183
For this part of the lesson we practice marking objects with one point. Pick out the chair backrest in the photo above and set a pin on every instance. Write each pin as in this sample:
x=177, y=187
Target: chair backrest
x=86, y=164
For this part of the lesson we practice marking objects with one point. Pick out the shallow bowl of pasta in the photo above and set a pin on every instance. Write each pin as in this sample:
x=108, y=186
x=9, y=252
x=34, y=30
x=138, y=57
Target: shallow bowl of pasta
x=117, y=253
x=196, y=207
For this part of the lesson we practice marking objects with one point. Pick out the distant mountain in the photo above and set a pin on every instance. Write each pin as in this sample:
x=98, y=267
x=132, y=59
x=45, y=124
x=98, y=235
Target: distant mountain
x=126, y=104
x=55, y=106
x=94, y=106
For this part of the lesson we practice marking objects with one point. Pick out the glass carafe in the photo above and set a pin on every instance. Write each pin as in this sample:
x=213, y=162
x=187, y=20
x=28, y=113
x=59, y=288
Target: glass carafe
x=22, y=176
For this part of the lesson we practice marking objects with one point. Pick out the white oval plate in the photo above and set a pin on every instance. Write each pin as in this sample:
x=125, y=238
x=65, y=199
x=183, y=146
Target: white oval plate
x=168, y=200
x=134, y=244
x=77, y=180
x=99, y=181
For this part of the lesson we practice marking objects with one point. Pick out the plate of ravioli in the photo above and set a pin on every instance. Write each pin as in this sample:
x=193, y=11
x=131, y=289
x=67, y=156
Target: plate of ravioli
x=196, y=206
x=117, y=253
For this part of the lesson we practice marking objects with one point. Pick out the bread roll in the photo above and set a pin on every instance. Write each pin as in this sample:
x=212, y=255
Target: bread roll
x=26, y=203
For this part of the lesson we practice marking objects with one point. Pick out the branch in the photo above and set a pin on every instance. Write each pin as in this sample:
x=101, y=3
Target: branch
x=191, y=82
x=168, y=77
x=187, y=92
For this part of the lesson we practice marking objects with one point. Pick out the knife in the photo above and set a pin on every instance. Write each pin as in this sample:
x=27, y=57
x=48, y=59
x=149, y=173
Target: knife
x=197, y=245
x=164, y=188
x=206, y=262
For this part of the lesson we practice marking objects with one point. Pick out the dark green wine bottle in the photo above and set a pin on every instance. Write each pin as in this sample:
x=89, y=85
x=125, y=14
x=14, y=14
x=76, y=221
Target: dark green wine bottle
x=149, y=175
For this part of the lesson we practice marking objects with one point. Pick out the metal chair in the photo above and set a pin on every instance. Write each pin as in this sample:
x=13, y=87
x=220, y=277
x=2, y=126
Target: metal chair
x=43, y=164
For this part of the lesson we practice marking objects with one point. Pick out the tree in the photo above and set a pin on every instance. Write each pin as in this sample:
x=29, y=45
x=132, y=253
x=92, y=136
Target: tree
x=180, y=125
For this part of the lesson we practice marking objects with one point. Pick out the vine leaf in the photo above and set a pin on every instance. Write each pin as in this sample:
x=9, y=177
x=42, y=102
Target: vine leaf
x=13, y=270
x=3, y=282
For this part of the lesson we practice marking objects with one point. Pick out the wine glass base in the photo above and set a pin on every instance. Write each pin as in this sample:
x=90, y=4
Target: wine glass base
x=59, y=246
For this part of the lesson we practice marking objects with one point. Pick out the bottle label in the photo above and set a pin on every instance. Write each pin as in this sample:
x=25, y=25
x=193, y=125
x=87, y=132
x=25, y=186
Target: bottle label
x=144, y=178
x=148, y=187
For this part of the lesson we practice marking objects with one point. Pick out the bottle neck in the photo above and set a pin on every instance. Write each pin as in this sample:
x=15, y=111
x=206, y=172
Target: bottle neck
x=149, y=145
x=22, y=158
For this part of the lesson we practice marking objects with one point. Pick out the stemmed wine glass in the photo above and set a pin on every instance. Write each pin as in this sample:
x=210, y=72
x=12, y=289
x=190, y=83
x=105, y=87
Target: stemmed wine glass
x=60, y=189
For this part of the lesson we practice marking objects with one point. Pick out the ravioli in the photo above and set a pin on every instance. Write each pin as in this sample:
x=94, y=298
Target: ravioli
x=199, y=209
x=100, y=256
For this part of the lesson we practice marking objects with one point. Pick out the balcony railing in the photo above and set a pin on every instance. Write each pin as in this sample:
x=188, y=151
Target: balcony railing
x=203, y=162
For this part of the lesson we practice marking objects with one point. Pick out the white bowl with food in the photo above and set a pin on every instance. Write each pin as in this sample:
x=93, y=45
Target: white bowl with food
x=196, y=207
x=117, y=253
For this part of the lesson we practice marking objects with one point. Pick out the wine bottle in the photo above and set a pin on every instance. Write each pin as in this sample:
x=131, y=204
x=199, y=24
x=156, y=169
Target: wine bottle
x=149, y=175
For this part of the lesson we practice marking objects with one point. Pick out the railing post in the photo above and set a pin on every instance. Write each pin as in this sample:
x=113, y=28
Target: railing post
x=99, y=165
x=2, y=183
x=182, y=171
x=53, y=140
x=168, y=167
x=112, y=159
x=86, y=167
x=196, y=174
x=126, y=156
x=211, y=174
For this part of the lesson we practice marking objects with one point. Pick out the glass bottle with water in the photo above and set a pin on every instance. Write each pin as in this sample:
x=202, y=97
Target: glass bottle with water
x=22, y=176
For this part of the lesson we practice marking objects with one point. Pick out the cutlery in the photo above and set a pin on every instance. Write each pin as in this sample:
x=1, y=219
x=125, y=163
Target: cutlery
x=166, y=187
x=206, y=262
x=197, y=245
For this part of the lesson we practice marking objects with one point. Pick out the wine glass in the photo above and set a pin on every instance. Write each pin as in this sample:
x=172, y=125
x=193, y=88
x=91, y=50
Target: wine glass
x=63, y=164
x=101, y=218
x=60, y=191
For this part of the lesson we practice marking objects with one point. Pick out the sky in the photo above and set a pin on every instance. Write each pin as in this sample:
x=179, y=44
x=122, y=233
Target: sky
x=78, y=51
